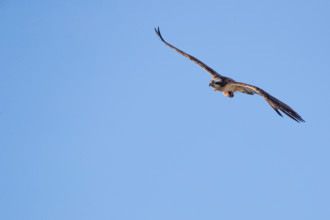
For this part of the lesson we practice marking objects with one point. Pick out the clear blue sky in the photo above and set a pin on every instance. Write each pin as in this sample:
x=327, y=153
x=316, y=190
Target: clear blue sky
x=100, y=120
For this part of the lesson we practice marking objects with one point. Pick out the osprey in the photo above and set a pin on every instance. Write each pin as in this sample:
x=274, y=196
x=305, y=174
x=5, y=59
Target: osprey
x=228, y=86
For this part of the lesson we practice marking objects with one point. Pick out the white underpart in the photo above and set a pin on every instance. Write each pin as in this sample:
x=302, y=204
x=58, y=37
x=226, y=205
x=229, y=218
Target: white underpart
x=226, y=88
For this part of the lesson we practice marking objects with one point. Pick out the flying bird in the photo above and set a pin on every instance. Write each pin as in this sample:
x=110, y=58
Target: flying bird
x=228, y=86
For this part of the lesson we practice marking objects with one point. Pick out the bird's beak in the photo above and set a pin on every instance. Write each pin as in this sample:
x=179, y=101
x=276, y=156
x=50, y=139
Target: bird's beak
x=211, y=84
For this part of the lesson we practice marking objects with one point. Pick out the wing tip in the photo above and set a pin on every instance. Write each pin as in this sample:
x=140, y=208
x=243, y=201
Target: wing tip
x=159, y=34
x=280, y=106
x=294, y=115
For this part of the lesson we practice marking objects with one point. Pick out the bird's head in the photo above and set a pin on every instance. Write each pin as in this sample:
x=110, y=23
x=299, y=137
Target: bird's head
x=214, y=82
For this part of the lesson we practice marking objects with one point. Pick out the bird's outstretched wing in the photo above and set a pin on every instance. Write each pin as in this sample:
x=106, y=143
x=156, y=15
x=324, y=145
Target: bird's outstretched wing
x=213, y=73
x=276, y=104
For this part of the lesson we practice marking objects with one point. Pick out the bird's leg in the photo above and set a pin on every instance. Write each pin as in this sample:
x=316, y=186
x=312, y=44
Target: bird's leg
x=228, y=94
x=215, y=90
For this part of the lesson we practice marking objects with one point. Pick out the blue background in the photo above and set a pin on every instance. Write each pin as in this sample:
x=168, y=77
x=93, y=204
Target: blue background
x=100, y=120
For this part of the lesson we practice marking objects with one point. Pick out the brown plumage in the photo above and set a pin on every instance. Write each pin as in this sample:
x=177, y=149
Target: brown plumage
x=228, y=86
